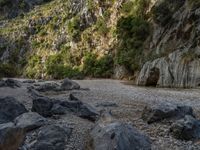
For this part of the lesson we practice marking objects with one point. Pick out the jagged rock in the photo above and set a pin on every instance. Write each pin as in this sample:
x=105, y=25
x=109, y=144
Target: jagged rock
x=48, y=107
x=48, y=87
x=42, y=105
x=29, y=121
x=10, y=83
x=10, y=108
x=69, y=85
x=163, y=111
x=88, y=112
x=106, y=104
x=11, y=137
x=52, y=137
x=187, y=128
x=108, y=134
x=57, y=109
x=171, y=72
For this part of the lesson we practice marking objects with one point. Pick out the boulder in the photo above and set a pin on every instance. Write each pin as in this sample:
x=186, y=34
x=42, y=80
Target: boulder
x=52, y=137
x=45, y=87
x=48, y=107
x=10, y=108
x=10, y=83
x=88, y=112
x=187, y=128
x=115, y=135
x=163, y=111
x=29, y=121
x=11, y=137
x=68, y=84
x=42, y=105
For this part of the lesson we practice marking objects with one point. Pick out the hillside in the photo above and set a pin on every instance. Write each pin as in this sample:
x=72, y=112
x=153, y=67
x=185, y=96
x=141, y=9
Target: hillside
x=154, y=43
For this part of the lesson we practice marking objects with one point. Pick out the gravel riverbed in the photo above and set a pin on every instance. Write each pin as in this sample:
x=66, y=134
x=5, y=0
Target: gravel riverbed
x=130, y=101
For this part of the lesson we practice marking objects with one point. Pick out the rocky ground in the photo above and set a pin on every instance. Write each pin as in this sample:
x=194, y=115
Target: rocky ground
x=126, y=103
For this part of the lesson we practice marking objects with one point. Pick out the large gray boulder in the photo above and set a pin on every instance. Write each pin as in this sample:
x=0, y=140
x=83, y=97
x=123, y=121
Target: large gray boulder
x=29, y=121
x=47, y=107
x=68, y=84
x=10, y=108
x=113, y=135
x=42, y=105
x=45, y=87
x=187, y=128
x=10, y=83
x=52, y=137
x=11, y=137
x=163, y=111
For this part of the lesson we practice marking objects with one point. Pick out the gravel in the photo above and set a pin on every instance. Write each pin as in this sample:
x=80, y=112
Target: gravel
x=130, y=100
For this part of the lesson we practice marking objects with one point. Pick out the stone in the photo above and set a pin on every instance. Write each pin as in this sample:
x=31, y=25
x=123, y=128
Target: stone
x=68, y=84
x=163, y=111
x=57, y=109
x=29, y=121
x=52, y=137
x=117, y=136
x=10, y=108
x=45, y=87
x=11, y=137
x=88, y=112
x=187, y=128
x=42, y=105
x=10, y=83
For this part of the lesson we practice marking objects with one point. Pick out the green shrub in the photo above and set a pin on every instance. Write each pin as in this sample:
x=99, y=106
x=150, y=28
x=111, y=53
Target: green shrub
x=8, y=70
x=131, y=33
x=94, y=67
x=101, y=26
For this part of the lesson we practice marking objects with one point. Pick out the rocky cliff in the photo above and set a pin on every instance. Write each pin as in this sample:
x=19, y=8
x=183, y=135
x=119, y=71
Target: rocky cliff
x=177, y=39
x=156, y=42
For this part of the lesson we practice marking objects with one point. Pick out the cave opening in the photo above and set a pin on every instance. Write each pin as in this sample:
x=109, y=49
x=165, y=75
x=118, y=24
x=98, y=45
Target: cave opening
x=153, y=77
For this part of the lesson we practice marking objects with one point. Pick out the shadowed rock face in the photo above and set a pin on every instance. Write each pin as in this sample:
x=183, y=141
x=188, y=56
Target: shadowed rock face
x=153, y=78
x=187, y=128
x=163, y=111
x=10, y=108
x=176, y=44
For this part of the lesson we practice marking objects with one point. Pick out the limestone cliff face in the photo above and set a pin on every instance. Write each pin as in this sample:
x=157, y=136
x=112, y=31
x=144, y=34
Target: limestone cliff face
x=178, y=42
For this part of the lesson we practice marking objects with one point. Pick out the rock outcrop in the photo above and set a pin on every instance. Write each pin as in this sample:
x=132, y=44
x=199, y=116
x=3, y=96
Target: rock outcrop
x=175, y=36
x=163, y=111
x=10, y=108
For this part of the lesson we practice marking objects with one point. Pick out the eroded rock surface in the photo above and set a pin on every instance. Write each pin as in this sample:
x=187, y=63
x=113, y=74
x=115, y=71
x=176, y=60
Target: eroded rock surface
x=163, y=111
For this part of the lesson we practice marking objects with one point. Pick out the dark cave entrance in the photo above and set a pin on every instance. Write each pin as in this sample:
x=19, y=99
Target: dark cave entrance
x=153, y=77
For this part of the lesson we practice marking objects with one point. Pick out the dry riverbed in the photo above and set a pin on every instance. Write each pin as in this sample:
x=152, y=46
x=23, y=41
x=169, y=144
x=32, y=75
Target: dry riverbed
x=126, y=103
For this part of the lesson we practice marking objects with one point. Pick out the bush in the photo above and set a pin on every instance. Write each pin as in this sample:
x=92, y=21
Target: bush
x=131, y=32
x=8, y=70
x=57, y=69
x=94, y=67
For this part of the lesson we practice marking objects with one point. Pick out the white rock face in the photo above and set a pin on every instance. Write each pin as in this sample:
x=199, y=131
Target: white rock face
x=173, y=71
